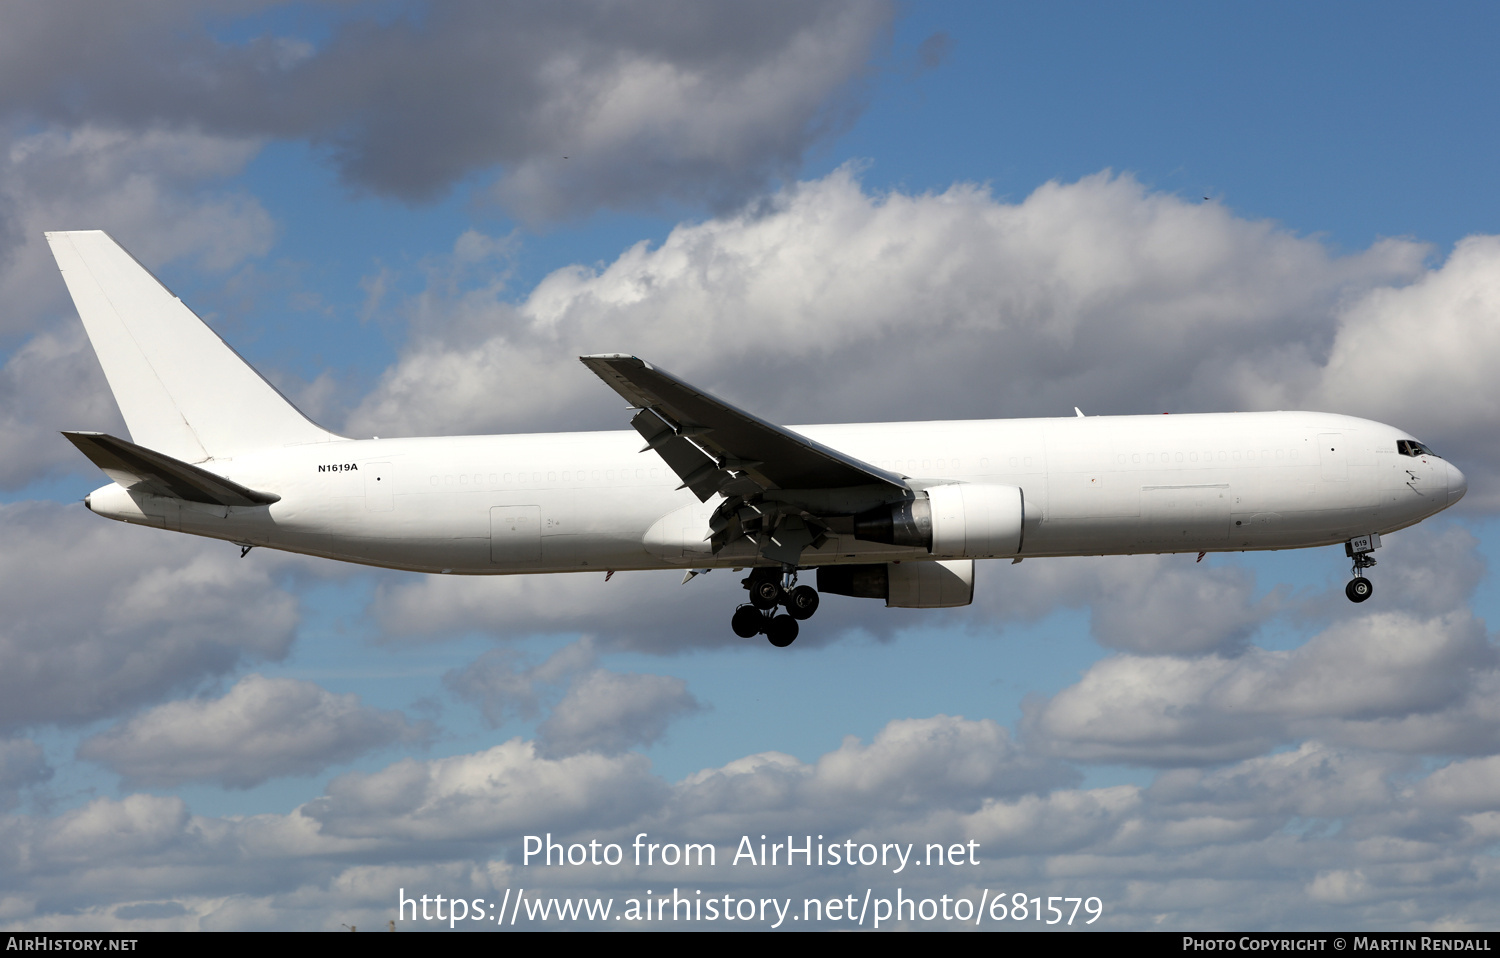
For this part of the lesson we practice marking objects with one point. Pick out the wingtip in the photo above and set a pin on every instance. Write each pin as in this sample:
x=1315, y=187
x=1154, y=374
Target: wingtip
x=613, y=357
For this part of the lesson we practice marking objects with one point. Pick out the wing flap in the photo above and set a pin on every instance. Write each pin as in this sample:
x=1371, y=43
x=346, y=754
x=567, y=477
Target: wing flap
x=696, y=470
x=136, y=467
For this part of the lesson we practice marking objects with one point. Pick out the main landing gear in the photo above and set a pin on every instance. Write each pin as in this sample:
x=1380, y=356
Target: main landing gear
x=770, y=590
x=1358, y=550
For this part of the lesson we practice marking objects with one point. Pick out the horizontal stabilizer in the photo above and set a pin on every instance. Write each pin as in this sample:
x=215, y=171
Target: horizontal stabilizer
x=136, y=467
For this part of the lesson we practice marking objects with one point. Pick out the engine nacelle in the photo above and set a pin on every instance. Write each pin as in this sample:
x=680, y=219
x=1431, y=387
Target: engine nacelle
x=972, y=520
x=976, y=520
x=903, y=585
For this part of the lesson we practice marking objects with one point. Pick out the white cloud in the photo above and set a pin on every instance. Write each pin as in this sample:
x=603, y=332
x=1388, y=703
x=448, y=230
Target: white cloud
x=102, y=618
x=1426, y=357
x=947, y=305
x=262, y=728
x=498, y=793
x=155, y=192
x=1314, y=836
x=582, y=106
x=1386, y=681
x=601, y=711
x=51, y=383
x=1097, y=293
x=610, y=712
x=23, y=764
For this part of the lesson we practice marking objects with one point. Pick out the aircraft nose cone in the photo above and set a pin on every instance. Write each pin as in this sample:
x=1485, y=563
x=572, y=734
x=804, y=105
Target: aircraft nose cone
x=1457, y=484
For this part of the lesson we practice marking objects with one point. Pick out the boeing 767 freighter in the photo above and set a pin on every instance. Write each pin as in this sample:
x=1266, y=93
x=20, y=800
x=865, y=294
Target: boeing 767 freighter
x=893, y=511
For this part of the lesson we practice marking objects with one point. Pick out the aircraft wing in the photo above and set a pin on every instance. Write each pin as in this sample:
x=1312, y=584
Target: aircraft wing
x=137, y=467
x=716, y=447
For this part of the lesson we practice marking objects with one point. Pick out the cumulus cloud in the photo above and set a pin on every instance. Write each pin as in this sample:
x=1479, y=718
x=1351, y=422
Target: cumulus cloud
x=947, y=305
x=1315, y=835
x=159, y=192
x=103, y=618
x=581, y=104
x=634, y=610
x=23, y=764
x=610, y=712
x=504, y=688
x=601, y=711
x=917, y=762
x=502, y=792
x=263, y=728
x=1387, y=681
x=1426, y=356
x=52, y=382
x=864, y=306
x=155, y=191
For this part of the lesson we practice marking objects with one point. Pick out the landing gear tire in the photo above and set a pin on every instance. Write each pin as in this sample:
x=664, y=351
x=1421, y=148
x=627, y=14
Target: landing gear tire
x=748, y=621
x=1360, y=589
x=765, y=594
x=802, y=602
x=782, y=631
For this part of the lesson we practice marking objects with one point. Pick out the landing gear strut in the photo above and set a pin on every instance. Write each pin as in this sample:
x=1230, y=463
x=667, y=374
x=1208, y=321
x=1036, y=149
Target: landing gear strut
x=1358, y=550
x=770, y=589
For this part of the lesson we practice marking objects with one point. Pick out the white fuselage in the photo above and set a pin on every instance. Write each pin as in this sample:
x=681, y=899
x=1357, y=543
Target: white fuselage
x=587, y=501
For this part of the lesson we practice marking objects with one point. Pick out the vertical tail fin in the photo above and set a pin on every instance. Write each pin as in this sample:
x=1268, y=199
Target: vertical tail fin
x=182, y=389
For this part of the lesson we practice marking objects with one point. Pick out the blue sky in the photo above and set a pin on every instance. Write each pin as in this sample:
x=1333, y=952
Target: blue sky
x=922, y=211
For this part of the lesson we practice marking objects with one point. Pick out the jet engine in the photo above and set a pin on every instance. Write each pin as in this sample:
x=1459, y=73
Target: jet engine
x=971, y=520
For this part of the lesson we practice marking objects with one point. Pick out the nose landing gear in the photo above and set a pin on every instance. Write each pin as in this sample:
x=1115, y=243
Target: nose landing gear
x=770, y=590
x=1358, y=550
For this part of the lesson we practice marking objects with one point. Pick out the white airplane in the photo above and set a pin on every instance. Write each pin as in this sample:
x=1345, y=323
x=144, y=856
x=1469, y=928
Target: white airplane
x=893, y=511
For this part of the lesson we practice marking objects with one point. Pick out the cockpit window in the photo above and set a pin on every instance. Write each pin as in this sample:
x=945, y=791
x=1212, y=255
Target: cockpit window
x=1410, y=447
